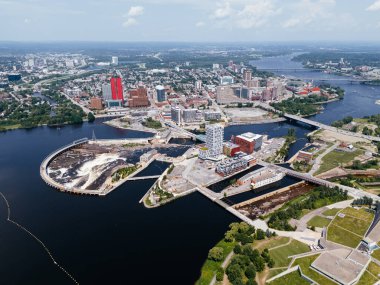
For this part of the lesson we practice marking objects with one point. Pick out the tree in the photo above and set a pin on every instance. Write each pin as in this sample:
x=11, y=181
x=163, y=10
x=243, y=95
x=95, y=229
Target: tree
x=237, y=249
x=229, y=236
x=216, y=254
x=90, y=117
x=219, y=274
x=260, y=234
x=250, y=272
x=251, y=282
x=233, y=272
x=270, y=263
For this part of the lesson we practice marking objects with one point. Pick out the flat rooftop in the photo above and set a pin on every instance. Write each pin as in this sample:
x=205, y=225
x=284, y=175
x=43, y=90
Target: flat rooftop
x=249, y=136
x=343, y=265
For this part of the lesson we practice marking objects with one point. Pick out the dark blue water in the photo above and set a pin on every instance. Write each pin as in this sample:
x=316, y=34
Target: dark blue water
x=359, y=99
x=100, y=240
x=155, y=168
x=286, y=181
x=115, y=240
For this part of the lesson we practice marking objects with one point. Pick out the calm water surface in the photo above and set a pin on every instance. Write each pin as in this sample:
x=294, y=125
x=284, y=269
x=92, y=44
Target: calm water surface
x=115, y=240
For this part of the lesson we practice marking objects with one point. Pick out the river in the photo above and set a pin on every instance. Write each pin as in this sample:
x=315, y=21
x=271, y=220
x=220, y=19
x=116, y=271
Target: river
x=115, y=240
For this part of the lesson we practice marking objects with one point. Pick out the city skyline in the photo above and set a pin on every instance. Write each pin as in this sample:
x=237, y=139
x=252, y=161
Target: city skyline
x=190, y=21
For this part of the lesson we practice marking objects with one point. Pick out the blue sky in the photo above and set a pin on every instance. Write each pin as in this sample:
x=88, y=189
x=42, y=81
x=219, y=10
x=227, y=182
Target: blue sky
x=190, y=20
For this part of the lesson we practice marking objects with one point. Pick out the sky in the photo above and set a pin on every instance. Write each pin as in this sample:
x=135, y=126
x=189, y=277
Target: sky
x=190, y=20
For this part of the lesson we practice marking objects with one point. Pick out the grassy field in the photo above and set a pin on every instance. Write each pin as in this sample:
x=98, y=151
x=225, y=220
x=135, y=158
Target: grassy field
x=280, y=255
x=210, y=267
x=374, y=268
x=270, y=243
x=358, y=213
x=335, y=158
x=10, y=127
x=274, y=272
x=350, y=229
x=357, y=226
x=305, y=263
x=366, y=279
x=342, y=236
x=331, y=212
x=376, y=254
x=293, y=278
x=319, y=222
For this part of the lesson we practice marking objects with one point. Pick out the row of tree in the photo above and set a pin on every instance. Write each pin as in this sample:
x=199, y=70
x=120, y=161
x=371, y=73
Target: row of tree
x=318, y=197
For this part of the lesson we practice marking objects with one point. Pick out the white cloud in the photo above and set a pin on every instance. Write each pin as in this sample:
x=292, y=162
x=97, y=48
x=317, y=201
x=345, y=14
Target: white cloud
x=135, y=11
x=223, y=11
x=256, y=14
x=199, y=24
x=26, y=21
x=375, y=6
x=130, y=22
x=244, y=14
x=308, y=11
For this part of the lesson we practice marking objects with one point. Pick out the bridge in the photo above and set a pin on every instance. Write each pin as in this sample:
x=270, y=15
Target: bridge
x=143, y=177
x=330, y=128
x=315, y=180
x=201, y=138
x=317, y=124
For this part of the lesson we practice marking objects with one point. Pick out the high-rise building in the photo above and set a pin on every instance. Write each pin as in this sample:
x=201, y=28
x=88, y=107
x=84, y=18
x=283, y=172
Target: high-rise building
x=198, y=84
x=117, y=89
x=31, y=62
x=115, y=60
x=189, y=115
x=107, y=91
x=215, y=66
x=176, y=115
x=226, y=80
x=69, y=63
x=247, y=75
x=214, y=139
x=161, y=95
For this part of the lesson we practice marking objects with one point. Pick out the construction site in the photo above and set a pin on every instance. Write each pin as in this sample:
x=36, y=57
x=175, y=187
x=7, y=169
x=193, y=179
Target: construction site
x=267, y=203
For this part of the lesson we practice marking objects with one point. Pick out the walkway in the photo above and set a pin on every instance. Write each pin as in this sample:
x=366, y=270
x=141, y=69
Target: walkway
x=318, y=161
x=302, y=223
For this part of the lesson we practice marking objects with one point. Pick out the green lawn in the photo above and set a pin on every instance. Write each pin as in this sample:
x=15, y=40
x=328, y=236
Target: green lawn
x=354, y=225
x=305, y=263
x=366, y=279
x=376, y=254
x=293, y=278
x=358, y=213
x=274, y=272
x=210, y=267
x=350, y=229
x=331, y=212
x=280, y=255
x=269, y=243
x=342, y=236
x=336, y=158
x=374, y=269
x=319, y=222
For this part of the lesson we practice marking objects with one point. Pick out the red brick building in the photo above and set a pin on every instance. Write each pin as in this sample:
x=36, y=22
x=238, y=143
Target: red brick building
x=246, y=143
x=138, y=98
x=96, y=103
